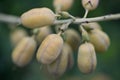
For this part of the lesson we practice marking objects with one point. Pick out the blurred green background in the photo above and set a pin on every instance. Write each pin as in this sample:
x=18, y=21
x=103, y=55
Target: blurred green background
x=108, y=62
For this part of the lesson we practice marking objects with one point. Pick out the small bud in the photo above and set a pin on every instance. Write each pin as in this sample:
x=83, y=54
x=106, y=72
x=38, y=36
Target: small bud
x=38, y=17
x=50, y=49
x=65, y=14
x=85, y=36
x=86, y=58
x=100, y=40
x=90, y=4
x=24, y=51
x=42, y=33
x=73, y=38
x=64, y=4
x=17, y=35
x=58, y=67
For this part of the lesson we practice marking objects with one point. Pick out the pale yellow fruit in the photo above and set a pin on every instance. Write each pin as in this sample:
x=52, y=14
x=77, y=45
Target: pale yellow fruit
x=17, y=35
x=90, y=4
x=73, y=38
x=70, y=56
x=38, y=17
x=64, y=4
x=49, y=49
x=93, y=25
x=86, y=58
x=43, y=33
x=23, y=52
x=100, y=40
x=58, y=67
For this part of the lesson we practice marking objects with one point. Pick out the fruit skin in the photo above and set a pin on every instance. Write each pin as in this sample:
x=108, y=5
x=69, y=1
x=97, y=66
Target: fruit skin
x=43, y=33
x=99, y=39
x=90, y=6
x=59, y=66
x=17, y=35
x=65, y=4
x=86, y=58
x=49, y=49
x=24, y=51
x=73, y=38
x=91, y=26
x=38, y=17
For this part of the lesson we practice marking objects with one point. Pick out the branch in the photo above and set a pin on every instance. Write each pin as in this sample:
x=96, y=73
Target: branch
x=9, y=19
x=16, y=20
x=95, y=19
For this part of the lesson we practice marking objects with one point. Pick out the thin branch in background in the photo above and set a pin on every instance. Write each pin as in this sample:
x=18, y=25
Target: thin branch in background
x=9, y=19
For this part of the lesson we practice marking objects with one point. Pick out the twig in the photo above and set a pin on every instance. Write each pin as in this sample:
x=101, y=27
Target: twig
x=9, y=19
x=86, y=13
x=16, y=20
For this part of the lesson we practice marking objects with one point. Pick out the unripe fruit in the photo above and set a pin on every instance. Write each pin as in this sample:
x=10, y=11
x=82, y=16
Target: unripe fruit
x=90, y=26
x=90, y=4
x=58, y=67
x=86, y=58
x=42, y=33
x=17, y=35
x=38, y=17
x=64, y=4
x=72, y=37
x=24, y=51
x=100, y=40
x=50, y=49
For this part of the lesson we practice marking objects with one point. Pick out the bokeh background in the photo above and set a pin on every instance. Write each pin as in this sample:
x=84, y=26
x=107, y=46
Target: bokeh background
x=108, y=62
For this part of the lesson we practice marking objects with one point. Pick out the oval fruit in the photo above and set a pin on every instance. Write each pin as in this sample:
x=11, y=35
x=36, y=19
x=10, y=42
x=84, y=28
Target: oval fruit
x=49, y=49
x=17, y=35
x=100, y=40
x=58, y=67
x=24, y=51
x=73, y=38
x=64, y=4
x=91, y=26
x=42, y=34
x=86, y=58
x=90, y=4
x=38, y=17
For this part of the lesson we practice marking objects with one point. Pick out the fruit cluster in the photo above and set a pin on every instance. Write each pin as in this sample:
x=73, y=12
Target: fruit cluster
x=56, y=50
